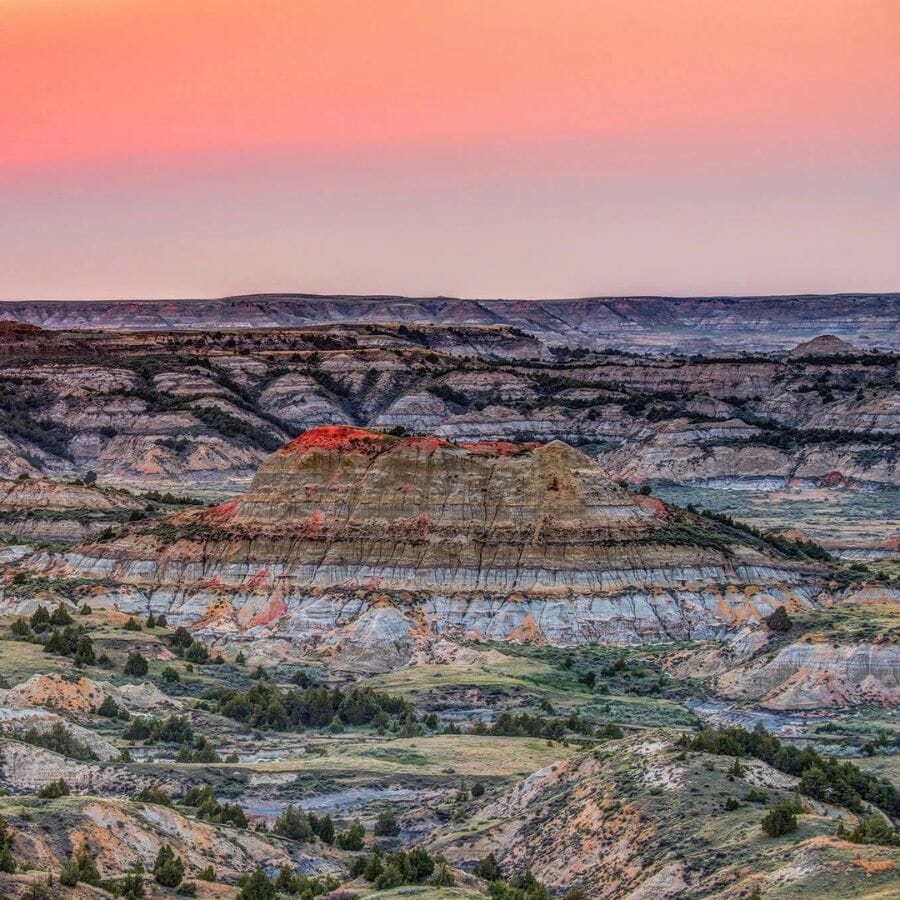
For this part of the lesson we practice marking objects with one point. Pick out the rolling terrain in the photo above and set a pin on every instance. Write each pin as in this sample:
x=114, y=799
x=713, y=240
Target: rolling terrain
x=505, y=609
x=635, y=323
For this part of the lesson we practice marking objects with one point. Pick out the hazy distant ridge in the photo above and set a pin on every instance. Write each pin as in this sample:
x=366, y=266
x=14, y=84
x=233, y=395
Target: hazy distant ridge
x=751, y=323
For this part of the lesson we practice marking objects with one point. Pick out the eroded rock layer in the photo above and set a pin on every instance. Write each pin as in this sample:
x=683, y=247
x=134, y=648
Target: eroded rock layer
x=369, y=545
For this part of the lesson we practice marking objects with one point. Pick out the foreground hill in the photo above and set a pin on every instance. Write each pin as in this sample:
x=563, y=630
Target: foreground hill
x=372, y=547
x=642, y=818
x=581, y=764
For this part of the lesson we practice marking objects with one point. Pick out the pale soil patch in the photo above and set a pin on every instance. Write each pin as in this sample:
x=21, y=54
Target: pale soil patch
x=465, y=754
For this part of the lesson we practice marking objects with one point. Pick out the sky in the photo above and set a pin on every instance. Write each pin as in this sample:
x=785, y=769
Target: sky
x=479, y=148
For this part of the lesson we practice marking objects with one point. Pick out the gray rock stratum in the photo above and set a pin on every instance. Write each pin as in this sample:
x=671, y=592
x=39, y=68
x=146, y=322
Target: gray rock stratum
x=369, y=548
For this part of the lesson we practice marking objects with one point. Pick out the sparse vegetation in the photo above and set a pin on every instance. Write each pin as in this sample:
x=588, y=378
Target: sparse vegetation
x=54, y=790
x=303, y=728
x=780, y=820
x=136, y=665
x=824, y=778
x=58, y=739
x=266, y=706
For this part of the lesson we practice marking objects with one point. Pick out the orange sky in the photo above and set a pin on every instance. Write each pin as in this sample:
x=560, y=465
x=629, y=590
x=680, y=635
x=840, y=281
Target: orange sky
x=570, y=91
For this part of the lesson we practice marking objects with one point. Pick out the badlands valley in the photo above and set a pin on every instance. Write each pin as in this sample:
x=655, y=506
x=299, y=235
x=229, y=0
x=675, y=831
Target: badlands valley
x=352, y=597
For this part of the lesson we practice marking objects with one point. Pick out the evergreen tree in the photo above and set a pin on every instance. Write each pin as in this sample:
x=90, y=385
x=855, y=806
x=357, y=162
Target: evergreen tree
x=386, y=824
x=7, y=862
x=258, y=887
x=293, y=824
x=181, y=638
x=391, y=877
x=780, y=820
x=21, y=629
x=353, y=838
x=168, y=870
x=373, y=869
x=56, y=644
x=489, y=869
x=60, y=617
x=53, y=790
x=84, y=654
x=108, y=708
x=40, y=619
x=135, y=665
x=779, y=621
x=322, y=827
x=874, y=829
x=80, y=868
x=443, y=877
x=197, y=653
x=68, y=875
x=88, y=873
x=420, y=864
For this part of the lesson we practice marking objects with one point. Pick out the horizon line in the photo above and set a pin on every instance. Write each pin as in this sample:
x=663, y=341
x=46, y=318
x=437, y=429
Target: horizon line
x=288, y=295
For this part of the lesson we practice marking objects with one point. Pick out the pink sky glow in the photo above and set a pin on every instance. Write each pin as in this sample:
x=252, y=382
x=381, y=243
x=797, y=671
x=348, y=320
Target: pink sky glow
x=473, y=147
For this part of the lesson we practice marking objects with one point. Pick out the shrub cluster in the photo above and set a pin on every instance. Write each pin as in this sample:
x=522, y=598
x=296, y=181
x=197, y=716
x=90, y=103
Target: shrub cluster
x=81, y=868
x=266, y=706
x=871, y=829
x=58, y=739
x=295, y=824
x=402, y=867
x=526, y=725
x=519, y=887
x=304, y=886
x=172, y=730
x=824, y=778
x=54, y=789
x=211, y=810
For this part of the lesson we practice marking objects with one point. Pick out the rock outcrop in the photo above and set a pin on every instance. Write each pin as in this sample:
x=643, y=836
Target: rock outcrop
x=122, y=834
x=368, y=546
x=823, y=345
x=823, y=667
x=73, y=694
x=819, y=675
x=27, y=769
x=82, y=695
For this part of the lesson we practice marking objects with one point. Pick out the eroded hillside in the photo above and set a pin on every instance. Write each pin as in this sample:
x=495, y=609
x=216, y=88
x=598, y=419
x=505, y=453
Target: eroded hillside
x=197, y=412
x=446, y=611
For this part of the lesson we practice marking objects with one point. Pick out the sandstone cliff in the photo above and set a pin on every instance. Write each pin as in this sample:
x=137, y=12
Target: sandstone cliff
x=368, y=546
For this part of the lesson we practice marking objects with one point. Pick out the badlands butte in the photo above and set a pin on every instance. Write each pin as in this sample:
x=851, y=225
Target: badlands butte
x=358, y=597
x=375, y=546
